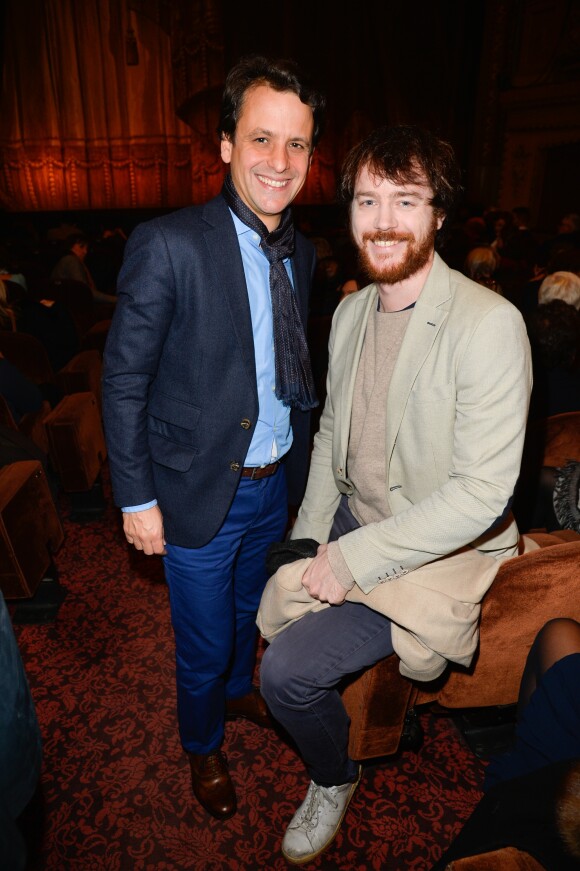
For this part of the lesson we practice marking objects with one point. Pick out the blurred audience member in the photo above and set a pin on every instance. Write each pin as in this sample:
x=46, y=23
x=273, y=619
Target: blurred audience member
x=554, y=333
x=7, y=312
x=10, y=270
x=560, y=285
x=567, y=260
x=481, y=265
x=472, y=233
x=567, y=236
x=21, y=394
x=48, y=321
x=72, y=266
x=532, y=791
x=105, y=258
x=351, y=285
x=327, y=282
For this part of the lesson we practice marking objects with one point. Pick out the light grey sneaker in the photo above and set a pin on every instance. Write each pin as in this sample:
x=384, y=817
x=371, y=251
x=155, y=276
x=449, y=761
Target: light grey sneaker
x=315, y=824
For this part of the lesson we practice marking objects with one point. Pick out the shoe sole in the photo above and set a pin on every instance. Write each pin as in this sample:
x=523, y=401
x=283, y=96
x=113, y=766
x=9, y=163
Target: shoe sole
x=303, y=859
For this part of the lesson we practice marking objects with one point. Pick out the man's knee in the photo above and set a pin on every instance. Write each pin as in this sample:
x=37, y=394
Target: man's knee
x=270, y=674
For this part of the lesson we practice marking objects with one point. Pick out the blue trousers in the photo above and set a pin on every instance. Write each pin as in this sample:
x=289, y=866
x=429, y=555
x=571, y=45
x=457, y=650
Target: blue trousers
x=214, y=594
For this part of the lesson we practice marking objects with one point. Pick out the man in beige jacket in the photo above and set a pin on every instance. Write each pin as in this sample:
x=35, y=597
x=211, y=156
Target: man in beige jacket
x=415, y=463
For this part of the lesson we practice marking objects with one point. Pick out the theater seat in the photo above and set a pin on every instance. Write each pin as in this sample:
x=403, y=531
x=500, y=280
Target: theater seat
x=28, y=354
x=508, y=859
x=528, y=590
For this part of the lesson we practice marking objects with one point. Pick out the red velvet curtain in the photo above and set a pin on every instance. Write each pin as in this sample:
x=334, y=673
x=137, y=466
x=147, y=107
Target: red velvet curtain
x=83, y=128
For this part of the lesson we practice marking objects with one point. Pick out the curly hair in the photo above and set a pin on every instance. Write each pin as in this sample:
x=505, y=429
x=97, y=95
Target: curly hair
x=405, y=153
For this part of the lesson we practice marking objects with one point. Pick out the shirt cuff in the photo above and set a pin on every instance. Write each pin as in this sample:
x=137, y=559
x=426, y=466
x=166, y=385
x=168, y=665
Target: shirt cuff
x=339, y=567
x=131, y=509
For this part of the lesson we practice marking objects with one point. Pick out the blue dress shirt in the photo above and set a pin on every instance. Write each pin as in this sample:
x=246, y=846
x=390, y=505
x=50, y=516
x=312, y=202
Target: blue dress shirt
x=273, y=434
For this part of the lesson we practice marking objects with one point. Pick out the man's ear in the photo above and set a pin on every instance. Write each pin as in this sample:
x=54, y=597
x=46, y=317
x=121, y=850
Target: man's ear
x=226, y=148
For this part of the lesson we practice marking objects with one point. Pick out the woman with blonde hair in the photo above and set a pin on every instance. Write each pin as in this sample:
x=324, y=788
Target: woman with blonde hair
x=560, y=285
x=480, y=265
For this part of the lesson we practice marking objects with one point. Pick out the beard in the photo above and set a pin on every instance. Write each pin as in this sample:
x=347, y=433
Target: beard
x=416, y=256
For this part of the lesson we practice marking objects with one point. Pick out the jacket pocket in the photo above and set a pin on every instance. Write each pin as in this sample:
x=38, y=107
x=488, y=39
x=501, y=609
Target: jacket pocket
x=172, y=425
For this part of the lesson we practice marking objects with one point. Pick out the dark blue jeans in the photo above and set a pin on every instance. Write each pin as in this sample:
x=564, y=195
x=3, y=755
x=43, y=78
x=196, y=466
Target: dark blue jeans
x=301, y=672
x=214, y=593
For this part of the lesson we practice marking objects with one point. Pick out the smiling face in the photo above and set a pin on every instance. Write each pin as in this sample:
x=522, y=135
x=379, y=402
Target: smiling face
x=393, y=225
x=270, y=154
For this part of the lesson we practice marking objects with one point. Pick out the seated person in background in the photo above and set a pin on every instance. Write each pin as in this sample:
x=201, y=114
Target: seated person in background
x=327, y=281
x=554, y=332
x=480, y=265
x=7, y=311
x=567, y=237
x=560, y=285
x=48, y=321
x=532, y=791
x=72, y=266
x=567, y=260
x=105, y=258
x=23, y=395
x=10, y=269
x=351, y=285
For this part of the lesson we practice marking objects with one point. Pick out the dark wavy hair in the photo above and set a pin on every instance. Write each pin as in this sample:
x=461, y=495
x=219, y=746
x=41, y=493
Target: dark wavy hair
x=404, y=153
x=280, y=75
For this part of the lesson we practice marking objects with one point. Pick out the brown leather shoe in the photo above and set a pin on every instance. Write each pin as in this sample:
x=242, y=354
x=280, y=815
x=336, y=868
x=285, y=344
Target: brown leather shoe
x=212, y=785
x=250, y=707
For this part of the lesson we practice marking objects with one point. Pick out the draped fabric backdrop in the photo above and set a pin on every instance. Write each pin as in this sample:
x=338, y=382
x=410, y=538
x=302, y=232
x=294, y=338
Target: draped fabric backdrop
x=114, y=103
x=82, y=128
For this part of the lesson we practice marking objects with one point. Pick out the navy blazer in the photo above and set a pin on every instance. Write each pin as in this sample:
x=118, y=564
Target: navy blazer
x=180, y=399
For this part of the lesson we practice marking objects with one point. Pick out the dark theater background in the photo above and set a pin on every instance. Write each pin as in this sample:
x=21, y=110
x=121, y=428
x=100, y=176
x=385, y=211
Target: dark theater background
x=109, y=106
x=108, y=115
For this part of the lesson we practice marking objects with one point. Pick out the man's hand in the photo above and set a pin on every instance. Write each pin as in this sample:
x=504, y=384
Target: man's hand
x=320, y=581
x=144, y=530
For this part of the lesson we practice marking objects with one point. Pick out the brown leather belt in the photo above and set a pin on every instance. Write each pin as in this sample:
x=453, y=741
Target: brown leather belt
x=256, y=472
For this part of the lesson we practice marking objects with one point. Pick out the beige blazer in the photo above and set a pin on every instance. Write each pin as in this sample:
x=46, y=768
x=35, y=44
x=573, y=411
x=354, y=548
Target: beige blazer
x=455, y=424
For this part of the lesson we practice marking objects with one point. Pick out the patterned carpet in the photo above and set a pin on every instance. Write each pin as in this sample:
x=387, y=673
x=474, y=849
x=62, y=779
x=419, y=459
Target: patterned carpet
x=115, y=782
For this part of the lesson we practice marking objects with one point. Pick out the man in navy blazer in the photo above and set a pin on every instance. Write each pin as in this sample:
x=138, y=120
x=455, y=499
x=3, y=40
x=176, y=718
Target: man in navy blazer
x=206, y=395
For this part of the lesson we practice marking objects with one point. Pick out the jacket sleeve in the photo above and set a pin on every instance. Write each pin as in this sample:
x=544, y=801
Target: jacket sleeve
x=146, y=296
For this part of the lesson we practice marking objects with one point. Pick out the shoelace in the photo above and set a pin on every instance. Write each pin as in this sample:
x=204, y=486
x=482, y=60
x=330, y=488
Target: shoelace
x=308, y=814
x=213, y=763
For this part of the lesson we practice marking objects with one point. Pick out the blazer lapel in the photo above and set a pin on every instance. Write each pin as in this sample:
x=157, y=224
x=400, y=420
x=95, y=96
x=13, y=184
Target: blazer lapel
x=350, y=361
x=428, y=317
x=231, y=289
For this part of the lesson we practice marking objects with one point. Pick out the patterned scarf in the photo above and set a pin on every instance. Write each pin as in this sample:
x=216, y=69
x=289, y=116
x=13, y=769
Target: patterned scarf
x=294, y=382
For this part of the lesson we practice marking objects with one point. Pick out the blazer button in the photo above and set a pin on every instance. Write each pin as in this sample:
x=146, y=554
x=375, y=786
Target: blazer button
x=245, y=423
x=235, y=466
x=339, y=471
